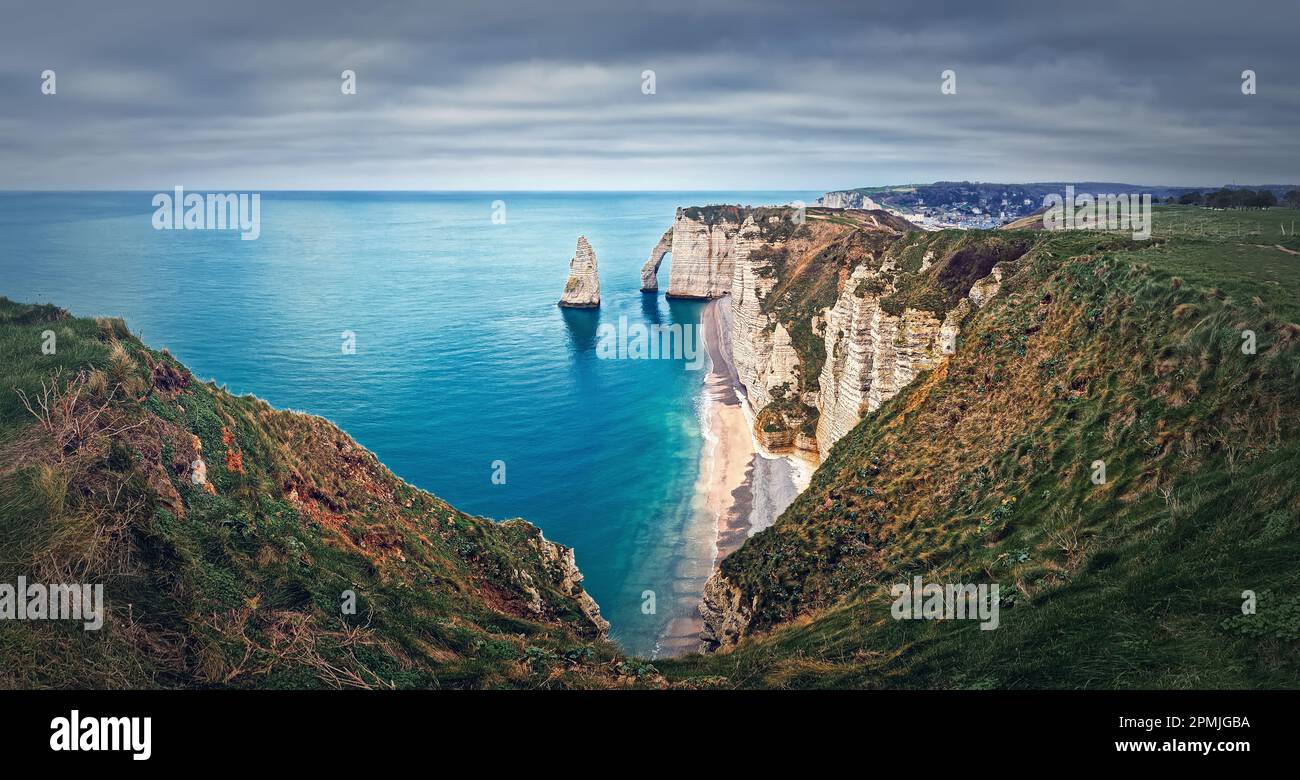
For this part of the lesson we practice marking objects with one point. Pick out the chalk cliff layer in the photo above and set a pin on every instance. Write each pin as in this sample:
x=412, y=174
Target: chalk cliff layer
x=703, y=248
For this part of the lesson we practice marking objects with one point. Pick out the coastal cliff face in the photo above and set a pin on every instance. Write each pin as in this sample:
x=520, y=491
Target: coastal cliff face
x=832, y=319
x=1065, y=350
x=761, y=347
x=244, y=546
x=778, y=277
x=873, y=353
x=870, y=354
x=831, y=315
x=847, y=199
x=703, y=246
x=875, y=307
x=582, y=290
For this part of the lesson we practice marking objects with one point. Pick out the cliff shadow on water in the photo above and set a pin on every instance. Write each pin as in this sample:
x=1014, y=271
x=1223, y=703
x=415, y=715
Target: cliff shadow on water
x=581, y=325
x=650, y=308
x=683, y=311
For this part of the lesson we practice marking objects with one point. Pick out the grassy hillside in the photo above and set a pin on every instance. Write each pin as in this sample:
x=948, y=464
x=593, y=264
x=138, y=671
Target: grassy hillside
x=1097, y=348
x=237, y=577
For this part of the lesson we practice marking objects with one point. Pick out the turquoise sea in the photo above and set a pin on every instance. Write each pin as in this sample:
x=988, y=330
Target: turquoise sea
x=462, y=357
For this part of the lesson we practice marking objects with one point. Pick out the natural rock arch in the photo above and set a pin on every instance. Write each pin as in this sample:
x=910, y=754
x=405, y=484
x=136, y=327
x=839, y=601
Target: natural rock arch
x=650, y=271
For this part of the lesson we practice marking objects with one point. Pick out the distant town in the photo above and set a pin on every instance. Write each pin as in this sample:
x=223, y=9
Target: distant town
x=973, y=205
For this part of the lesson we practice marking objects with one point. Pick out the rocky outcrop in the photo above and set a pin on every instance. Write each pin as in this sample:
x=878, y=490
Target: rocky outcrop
x=986, y=288
x=582, y=290
x=650, y=271
x=703, y=246
x=847, y=199
x=725, y=612
x=560, y=564
x=199, y=472
x=951, y=327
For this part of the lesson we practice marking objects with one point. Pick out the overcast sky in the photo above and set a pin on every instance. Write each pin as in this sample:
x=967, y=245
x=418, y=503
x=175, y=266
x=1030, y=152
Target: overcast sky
x=547, y=94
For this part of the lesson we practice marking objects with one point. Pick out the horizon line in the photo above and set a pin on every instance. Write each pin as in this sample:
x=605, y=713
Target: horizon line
x=22, y=191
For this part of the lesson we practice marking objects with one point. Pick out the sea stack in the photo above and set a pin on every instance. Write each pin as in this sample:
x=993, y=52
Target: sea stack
x=582, y=291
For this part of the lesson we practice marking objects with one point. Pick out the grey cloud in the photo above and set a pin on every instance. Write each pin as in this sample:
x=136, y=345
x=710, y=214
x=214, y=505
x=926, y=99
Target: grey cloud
x=547, y=95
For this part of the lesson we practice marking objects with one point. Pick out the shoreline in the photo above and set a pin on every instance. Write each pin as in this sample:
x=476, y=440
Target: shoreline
x=741, y=489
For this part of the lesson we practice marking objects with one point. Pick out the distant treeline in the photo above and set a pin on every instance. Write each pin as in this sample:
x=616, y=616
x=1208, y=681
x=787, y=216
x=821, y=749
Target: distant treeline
x=1237, y=199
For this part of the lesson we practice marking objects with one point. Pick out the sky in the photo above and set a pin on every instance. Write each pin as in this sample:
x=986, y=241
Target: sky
x=507, y=95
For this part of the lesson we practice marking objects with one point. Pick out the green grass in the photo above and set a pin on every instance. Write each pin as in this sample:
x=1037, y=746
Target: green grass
x=1258, y=226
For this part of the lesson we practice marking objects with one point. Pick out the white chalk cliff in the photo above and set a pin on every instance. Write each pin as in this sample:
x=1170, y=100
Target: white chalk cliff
x=871, y=354
x=873, y=347
x=703, y=246
x=582, y=290
x=760, y=347
x=846, y=199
